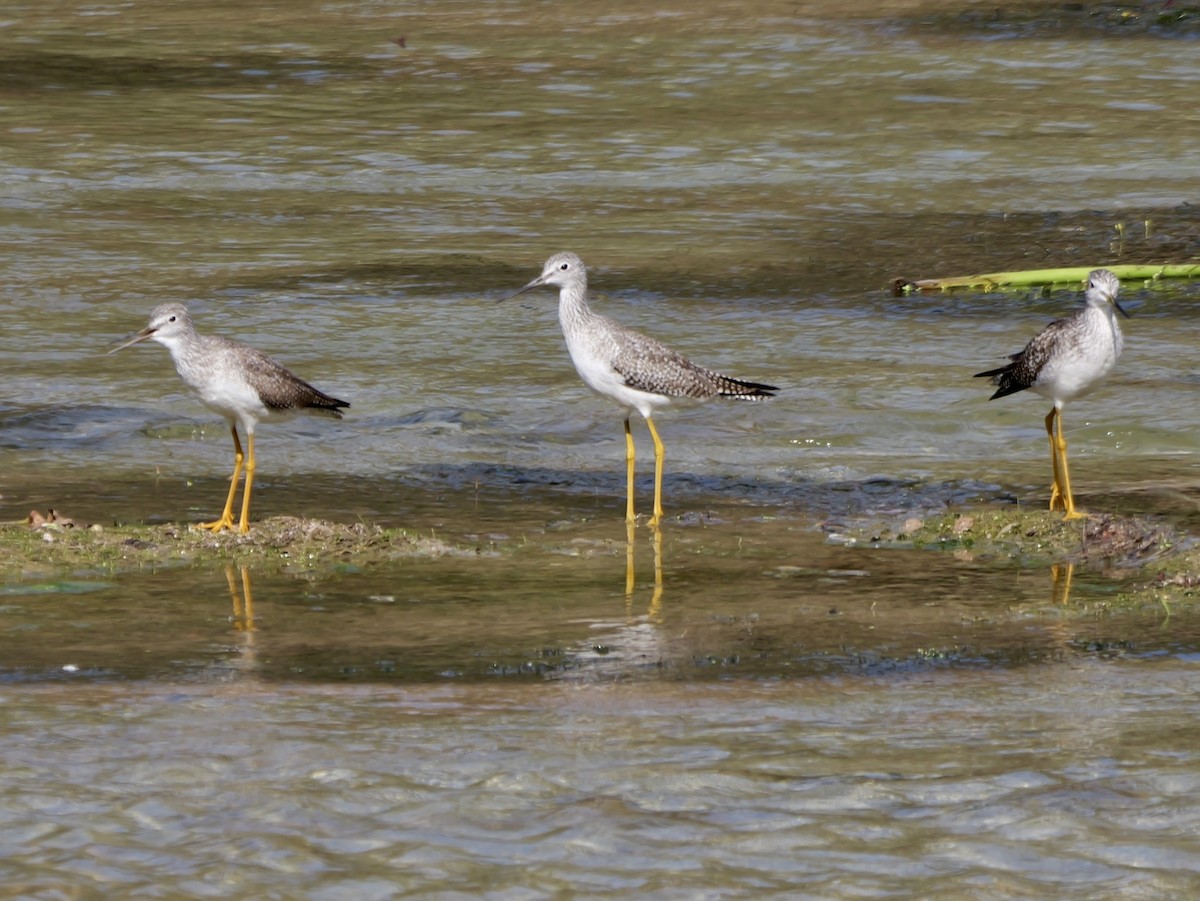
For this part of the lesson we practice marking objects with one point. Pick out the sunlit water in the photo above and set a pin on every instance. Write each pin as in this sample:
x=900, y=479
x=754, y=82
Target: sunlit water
x=743, y=190
x=770, y=711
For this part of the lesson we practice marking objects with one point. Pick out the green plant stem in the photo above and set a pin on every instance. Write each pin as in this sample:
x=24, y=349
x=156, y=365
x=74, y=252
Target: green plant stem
x=1029, y=277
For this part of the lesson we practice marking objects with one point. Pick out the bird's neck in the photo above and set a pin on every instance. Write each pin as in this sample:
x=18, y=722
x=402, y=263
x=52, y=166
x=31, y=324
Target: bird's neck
x=1109, y=312
x=182, y=351
x=573, y=306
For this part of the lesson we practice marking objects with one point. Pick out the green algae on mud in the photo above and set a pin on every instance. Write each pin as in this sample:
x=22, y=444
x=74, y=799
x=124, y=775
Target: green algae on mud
x=1156, y=562
x=1153, y=560
x=1032, y=536
x=286, y=541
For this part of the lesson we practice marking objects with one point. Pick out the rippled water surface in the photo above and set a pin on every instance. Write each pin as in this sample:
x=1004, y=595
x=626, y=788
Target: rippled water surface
x=746, y=708
x=928, y=786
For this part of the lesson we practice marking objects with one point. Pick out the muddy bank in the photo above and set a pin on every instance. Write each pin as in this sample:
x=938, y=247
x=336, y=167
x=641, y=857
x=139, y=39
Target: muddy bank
x=1033, y=19
x=54, y=544
x=1101, y=540
x=1152, y=559
x=1156, y=561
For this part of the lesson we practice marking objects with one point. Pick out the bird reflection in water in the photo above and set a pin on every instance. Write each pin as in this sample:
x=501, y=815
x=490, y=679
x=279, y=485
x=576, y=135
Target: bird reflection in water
x=243, y=659
x=636, y=643
x=654, y=610
x=243, y=602
x=1060, y=580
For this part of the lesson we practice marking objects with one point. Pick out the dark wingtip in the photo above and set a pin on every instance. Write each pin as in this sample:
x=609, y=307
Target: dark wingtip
x=331, y=405
x=750, y=390
x=997, y=377
x=1007, y=388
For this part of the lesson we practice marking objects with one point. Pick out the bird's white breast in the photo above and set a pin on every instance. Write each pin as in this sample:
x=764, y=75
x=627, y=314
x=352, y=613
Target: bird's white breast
x=1083, y=364
x=219, y=382
x=592, y=355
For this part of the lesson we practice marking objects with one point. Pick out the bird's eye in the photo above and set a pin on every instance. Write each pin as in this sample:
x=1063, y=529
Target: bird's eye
x=563, y=267
x=172, y=319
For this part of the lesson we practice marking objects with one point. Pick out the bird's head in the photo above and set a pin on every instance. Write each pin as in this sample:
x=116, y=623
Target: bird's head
x=1102, y=289
x=168, y=322
x=561, y=270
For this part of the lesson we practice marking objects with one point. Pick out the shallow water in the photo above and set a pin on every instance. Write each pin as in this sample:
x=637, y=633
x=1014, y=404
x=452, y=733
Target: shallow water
x=718, y=600
x=754, y=708
x=930, y=785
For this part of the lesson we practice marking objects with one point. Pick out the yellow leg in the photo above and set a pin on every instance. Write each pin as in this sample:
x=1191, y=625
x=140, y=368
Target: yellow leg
x=629, y=457
x=1056, y=498
x=244, y=526
x=226, y=520
x=658, y=471
x=1064, y=475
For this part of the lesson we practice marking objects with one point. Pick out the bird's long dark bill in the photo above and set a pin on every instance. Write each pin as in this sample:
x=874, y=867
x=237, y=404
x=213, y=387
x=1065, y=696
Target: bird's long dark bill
x=536, y=283
x=140, y=336
x=1122, y=309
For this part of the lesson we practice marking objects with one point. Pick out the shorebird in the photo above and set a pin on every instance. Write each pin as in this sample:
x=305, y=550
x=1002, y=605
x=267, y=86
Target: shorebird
x=632, y=369
x=1065, y=360
x=240, y=383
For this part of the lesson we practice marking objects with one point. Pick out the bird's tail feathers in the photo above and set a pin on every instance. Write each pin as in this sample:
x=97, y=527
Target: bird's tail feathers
x=737, y=389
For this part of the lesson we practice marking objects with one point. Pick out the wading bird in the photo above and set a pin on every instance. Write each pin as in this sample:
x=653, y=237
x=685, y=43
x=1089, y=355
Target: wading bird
x=1065, y=360
x=240, y=383
x=632, y=369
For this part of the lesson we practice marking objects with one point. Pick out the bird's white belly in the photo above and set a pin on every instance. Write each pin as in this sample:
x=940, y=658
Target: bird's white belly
x=235, y=400
x=1076, y=376
x=600, y=376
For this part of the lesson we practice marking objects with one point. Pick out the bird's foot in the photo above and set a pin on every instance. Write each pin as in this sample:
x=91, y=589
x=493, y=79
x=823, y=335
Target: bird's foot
x=1076, y=514
x=225, y=522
